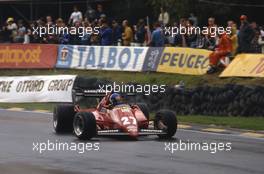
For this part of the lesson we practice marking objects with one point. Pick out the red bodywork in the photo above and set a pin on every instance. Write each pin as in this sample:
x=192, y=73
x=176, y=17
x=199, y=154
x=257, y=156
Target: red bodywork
x=126, y=118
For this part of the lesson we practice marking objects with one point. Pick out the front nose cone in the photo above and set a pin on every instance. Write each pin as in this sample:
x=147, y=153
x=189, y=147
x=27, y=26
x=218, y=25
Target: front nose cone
x=132, y=131
x=133, y=134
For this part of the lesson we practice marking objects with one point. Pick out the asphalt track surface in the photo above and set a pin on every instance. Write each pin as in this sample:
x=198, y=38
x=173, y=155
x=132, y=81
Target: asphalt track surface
x=18, y=131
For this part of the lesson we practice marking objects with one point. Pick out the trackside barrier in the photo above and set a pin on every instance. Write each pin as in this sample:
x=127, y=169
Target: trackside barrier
x=24, y=89
x=177, y=60
x=245, y=65
x=28, y=56
x=118, y=58
x=101, y=57
x=232, y=100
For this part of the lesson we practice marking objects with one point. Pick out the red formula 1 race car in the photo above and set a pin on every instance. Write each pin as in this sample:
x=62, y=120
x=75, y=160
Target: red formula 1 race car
x=112, y=116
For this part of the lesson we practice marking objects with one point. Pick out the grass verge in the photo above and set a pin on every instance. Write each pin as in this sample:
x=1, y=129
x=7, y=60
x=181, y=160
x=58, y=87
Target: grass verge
x=250, y=123
x=29, y=106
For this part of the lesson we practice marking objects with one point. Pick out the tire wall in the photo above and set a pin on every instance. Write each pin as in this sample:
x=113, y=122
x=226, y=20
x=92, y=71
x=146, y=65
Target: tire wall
x=229, y=100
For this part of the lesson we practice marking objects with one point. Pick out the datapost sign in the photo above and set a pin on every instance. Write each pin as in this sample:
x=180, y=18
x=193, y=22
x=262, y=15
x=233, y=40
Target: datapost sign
x=26, y=89
x=101, y=57
x=245, y=65
x=24, y=56
x=184, y=61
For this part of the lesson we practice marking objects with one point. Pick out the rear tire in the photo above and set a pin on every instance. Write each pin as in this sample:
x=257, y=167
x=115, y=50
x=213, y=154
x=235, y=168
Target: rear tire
x=166, y=120
x=84, y=125
x=63, y=117
x=144, y=108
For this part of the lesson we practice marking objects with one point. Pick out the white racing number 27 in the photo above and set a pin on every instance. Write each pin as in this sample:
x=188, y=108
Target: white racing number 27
x=129, y=120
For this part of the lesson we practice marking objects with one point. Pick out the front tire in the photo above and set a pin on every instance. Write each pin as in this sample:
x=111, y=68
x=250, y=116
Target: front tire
x=63, y=117
x=166, y=120
x=84, y=125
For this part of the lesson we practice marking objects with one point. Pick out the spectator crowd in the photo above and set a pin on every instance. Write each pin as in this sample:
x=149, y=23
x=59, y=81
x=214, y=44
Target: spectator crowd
x=245, y=37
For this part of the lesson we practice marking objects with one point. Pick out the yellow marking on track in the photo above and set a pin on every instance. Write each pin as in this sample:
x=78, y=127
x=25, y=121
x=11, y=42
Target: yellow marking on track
x=252, y=134
x=40, y=110
x=183, y=126
x=180, y=126
x=16, y=109
x=214, y=130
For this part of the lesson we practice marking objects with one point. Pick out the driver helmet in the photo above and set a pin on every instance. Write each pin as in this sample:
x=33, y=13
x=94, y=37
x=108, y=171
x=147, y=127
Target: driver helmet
x=116, y=99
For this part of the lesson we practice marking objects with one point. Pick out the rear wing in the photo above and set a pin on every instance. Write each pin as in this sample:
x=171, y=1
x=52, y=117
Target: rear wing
x=89, y=93
x=97, y=93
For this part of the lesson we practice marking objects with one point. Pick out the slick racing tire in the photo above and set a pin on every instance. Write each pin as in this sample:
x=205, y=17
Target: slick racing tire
x=144, y=108
x=63, y=118
x=166, y=120
x=84, y=125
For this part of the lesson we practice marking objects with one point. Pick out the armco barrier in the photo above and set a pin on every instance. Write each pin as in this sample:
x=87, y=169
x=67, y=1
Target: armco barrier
x=25, y=56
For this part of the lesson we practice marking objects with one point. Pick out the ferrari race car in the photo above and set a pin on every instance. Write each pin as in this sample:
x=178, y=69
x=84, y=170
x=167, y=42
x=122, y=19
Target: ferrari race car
x=112, y=115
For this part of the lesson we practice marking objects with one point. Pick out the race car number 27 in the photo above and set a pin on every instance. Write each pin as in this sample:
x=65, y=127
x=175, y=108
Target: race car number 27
x=129, y=120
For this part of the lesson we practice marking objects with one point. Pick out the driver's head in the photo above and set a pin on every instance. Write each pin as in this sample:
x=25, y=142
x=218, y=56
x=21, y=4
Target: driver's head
x=116, y=99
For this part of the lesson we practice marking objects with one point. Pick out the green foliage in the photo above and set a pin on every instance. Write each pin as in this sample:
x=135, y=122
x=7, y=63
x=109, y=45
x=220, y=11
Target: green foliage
x=222, y=10
x=176, y=8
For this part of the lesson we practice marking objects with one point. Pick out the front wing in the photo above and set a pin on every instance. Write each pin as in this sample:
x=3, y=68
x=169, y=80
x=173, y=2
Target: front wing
x=141, y=132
